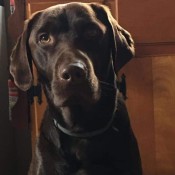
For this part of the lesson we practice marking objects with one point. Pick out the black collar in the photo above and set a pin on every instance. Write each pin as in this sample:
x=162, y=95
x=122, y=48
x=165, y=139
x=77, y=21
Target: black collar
x=87, y=134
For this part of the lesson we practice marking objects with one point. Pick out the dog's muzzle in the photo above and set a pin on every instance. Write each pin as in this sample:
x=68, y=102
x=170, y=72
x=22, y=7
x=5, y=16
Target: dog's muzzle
x=74, y=80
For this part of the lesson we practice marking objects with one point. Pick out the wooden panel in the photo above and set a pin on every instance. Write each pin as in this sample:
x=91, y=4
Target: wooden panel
x=151, y=24
x=151, y=101
x=149, y=21
x=140, y=107
x=164, y=113
x=151, y=105
x=155, y=49
x=34, y=6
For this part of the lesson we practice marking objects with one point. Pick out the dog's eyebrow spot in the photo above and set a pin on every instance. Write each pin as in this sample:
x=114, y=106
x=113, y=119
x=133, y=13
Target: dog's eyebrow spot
x=52, y=19
x=54, y=24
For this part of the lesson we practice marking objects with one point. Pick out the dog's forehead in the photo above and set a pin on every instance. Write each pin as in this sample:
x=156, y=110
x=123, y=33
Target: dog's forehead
x=71, y=11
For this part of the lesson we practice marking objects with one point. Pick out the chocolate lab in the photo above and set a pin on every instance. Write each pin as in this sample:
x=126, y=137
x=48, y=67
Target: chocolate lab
x=77, y=49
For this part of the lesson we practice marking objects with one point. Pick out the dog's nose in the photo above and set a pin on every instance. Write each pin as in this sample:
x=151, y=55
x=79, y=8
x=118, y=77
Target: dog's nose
x=74, y=72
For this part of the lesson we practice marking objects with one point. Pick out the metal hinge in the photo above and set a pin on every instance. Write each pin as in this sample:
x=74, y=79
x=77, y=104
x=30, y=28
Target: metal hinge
x=35, y=91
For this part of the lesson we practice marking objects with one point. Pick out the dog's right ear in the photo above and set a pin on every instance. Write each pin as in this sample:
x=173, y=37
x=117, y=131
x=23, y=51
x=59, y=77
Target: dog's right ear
x=20, y=67
x=122, y=44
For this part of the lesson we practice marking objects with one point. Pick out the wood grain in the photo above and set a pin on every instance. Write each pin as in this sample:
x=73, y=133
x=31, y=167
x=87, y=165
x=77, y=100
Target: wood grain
x=140, y=107
x=148, y=21
x=164, y=113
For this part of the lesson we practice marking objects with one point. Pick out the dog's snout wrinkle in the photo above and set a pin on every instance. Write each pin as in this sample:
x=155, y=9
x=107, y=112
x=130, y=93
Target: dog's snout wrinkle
x=74, y=72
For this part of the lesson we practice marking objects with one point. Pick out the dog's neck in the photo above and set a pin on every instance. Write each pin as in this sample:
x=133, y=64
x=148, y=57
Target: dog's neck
x=80, y=119
x=86, y=118
x=83, y=133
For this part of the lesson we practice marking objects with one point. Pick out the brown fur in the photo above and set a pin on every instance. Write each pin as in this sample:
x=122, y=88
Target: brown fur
x=77, y=48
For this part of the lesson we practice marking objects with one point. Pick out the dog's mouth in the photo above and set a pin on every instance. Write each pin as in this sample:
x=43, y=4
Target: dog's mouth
x=84, y=96
x=76, y=100
x=81, y=113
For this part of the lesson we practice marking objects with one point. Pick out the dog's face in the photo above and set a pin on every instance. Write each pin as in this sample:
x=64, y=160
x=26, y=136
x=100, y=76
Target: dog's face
x=76, y=48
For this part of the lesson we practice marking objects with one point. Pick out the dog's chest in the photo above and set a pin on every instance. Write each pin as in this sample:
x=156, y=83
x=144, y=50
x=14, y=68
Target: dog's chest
x=93, y=150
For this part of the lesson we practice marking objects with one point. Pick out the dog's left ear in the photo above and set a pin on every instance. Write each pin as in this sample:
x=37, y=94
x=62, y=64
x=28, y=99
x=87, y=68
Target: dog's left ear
x=19, y=64
x=20, y=60
x=122, y=44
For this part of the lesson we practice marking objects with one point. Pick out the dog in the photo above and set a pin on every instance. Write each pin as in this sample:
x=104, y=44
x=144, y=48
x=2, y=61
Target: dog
x=77, y=49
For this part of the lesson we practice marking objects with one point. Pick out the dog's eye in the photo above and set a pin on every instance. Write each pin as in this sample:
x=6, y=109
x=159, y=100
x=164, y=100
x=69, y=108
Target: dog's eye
x=44, y=38
x=92, y=33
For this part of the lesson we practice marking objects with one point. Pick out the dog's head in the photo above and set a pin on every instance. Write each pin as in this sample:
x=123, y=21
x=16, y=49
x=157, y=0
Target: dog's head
x=75, y=47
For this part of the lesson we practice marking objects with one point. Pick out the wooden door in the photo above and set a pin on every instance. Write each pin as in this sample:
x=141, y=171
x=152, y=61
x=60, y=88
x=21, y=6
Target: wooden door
x=151, y=81
x=37, y=109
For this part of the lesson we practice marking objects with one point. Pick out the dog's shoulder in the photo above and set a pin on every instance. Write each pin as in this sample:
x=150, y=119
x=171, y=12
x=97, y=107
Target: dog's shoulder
x=48, y=131
x=122, y=120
